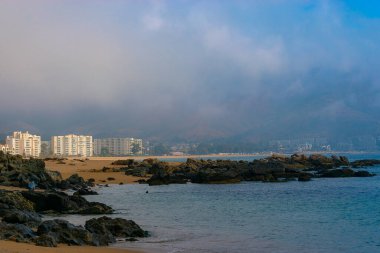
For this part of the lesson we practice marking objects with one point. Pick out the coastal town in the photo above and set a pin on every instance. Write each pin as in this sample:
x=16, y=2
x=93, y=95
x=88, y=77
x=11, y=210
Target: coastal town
x=71, y=145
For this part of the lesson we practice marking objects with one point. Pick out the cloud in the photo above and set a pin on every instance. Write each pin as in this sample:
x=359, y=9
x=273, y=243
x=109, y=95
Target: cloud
x=194, y=70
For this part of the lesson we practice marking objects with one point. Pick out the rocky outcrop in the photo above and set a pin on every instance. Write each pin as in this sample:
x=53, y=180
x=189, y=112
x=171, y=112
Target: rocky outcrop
x=74, y=182
x=276, y=168
x=20, y=213
x=85, y=191
x=114, y=228
x=18, y=172
x=30, y=219
x=364, y=163
x=338, y=173
x=53, y=201
x=61, y=231
x=16, y=232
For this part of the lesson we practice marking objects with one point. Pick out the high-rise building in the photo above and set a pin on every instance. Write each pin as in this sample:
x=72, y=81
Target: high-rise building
x=25, y=144
x=118, y=146
x=71, y=145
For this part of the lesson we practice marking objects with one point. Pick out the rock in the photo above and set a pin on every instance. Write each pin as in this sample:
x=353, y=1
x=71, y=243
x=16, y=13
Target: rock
x=74, y=182
x=61, y=231
x=46, y=240
x=338, y=173
x=363, y=173
x=95, y=208
x=141, y=181
x=16, y=232
x=116, y=227
x=123, y=162
x=132, y=239
x=62, y=203
x=304, y=177
x=365, y=163
x=17, y=171
x=85, y=191
x=30, y=219
x=15, y=200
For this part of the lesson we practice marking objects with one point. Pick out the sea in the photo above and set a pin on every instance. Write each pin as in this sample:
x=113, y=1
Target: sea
x=320, y=216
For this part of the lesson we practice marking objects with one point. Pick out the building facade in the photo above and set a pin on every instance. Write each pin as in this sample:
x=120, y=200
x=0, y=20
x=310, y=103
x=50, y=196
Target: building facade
x=118, y=146
x=6, y=149
x=71, y=145
x=24, y=143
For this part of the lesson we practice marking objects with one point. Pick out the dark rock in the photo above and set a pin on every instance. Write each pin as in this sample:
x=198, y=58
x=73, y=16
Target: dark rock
x=116, y=227
x=363, y=173
x=46, y=240
x=338, y=173
x=16, y=232
x=62, y=231
x=95, y=208
x=123, y=162
x=62, y=203
x=16, y=171
x=30, y=219
x=365, y=163
x=304, y=177
x=132, y=239
x=74, y=182
x=15, y=200
x=85, y=191
x=141, y=181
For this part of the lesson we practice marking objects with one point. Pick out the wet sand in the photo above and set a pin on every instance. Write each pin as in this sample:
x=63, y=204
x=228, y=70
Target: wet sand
x=16, y=247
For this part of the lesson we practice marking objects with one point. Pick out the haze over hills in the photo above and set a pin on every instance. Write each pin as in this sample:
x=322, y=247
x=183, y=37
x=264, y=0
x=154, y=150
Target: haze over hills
x=169, y=71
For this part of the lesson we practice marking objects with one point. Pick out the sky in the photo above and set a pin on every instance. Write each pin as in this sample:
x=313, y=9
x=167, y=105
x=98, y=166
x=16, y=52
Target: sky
x=190, y=70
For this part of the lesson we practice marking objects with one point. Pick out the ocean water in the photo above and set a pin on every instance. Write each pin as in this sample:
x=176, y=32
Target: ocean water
x=324, y=215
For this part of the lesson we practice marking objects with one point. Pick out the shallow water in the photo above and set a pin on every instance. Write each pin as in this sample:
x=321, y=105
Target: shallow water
x=324, y=215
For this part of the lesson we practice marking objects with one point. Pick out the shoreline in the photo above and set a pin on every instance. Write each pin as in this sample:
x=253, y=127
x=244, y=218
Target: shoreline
x=142, y=157
x=17, y=247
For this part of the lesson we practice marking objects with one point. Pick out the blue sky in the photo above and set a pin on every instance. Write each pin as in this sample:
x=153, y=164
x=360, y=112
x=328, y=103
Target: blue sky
x=191, y=70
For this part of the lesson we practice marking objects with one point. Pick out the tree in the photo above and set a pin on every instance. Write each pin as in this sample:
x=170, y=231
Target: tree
x=160, y=149
x=104, y=152
x=136, y=149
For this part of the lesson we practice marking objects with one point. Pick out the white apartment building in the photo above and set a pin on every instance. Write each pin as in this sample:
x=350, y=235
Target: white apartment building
x=71, y=145
x=118, y=146
x=24, y=143
x=6, y=149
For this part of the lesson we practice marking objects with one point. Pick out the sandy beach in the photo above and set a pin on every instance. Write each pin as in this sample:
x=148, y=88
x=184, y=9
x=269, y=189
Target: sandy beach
x=91, y=169
x=15, y=247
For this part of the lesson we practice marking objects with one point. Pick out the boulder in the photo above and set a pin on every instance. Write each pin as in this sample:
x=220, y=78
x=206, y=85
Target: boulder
x=85, y=191
x=116, y=227
x=15, y=200
x=363, y=173
x=304, y=177
x=30, y=219
x=46, y=240
x=53, y=201
x=16, y=232
x=338, y=173
x=61, y=231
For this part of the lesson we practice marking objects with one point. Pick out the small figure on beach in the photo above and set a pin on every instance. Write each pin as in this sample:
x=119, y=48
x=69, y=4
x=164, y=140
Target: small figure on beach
x=31, y=186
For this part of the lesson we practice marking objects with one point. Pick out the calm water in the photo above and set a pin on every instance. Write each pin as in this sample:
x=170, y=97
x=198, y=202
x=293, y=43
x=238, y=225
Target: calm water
x=324, y=215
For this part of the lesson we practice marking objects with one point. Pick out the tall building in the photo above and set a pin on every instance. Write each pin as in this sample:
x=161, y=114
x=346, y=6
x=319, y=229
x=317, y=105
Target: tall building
x=118, y=146
x=71, y=145
x=25, y=144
